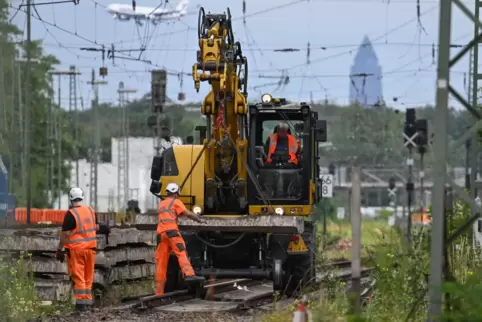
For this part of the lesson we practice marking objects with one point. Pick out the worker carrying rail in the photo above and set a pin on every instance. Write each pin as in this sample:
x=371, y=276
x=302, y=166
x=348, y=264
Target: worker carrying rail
x=78, y=236
x=170, y=239
x=282, y=143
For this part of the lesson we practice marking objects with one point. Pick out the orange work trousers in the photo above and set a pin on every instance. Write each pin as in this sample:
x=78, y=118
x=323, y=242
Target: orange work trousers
x=80, y=263
x=171, y=240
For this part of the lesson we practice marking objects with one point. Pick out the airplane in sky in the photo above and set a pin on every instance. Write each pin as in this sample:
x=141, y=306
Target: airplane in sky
x=126, y=12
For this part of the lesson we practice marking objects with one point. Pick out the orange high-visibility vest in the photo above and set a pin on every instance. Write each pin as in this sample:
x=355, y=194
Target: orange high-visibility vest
x=167, y=218
x=292, y=148
x=84, y=234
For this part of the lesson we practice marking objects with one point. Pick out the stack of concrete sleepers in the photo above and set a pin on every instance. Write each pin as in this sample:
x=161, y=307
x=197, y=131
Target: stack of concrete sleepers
x=128, y=256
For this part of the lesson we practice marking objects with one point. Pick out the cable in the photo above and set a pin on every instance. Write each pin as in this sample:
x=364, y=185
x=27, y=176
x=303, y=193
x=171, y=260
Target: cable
x=54, y=38
x=314, y=47
x=261, y=12
x=57, y=27
x=205, y=242
x=375, y=39
x=282, y=6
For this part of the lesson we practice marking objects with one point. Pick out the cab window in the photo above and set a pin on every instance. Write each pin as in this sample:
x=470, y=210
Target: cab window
x=269, y=126
x=169, y=164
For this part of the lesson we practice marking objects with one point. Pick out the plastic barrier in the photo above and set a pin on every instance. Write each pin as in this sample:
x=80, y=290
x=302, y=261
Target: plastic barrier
x=51, y=216
x=54, y=216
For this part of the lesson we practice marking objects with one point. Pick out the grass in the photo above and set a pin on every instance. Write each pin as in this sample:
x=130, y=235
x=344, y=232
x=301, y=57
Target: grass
x=337, y=231
x=19, y=301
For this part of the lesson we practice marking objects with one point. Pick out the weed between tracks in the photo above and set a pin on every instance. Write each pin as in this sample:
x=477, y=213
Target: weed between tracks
x=401, y=273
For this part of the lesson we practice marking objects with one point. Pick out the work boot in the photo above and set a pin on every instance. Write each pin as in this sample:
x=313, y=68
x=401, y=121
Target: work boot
x=195, y=285
x=81, y=307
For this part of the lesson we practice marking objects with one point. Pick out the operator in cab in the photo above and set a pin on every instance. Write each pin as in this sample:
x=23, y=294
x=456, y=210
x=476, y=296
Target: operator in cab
x=170, y=239
x=282, y=144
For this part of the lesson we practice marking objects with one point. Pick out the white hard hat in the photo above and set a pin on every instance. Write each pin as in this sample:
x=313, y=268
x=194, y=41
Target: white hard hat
x=76, y=193
x=172, y=187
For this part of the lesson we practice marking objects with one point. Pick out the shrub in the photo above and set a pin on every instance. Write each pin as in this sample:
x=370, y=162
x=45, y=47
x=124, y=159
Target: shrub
x=19, y=302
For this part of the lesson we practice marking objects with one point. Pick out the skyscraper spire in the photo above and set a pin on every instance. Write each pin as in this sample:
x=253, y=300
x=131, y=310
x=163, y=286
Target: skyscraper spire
x=365, y=76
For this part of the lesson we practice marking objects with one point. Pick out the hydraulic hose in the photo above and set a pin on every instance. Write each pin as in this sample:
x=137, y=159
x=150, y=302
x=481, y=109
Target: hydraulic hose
x=205, y=242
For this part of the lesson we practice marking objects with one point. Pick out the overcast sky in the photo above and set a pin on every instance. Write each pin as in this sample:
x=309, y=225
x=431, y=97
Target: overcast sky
x=335, y=29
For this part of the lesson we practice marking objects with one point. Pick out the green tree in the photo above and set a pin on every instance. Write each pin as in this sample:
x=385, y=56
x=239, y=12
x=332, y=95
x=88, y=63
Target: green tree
x=13, y=127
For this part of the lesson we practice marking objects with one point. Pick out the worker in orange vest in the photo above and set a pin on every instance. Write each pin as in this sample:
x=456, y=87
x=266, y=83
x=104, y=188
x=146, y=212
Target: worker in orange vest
x=282, y=143
x=170, y=239
x=78, y=236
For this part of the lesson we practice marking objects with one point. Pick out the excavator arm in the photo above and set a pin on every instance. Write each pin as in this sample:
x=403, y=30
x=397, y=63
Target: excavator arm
x=220, y=62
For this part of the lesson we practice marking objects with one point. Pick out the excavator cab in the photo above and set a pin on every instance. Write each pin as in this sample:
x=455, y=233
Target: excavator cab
x=282, y=183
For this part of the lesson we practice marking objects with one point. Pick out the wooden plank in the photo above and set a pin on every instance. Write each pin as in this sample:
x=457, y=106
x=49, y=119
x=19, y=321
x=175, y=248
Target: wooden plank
x=243, y=295
x=198, y=305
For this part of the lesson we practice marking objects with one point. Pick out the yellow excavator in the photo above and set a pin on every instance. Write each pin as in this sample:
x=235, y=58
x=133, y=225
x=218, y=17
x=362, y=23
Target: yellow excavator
x=259, y=219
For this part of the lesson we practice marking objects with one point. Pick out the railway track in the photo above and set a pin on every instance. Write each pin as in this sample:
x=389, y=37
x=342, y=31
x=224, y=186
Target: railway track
x=222, y=300
x=227, y=294
x=221, y=295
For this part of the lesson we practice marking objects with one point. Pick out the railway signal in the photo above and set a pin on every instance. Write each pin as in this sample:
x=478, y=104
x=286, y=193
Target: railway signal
x=392, y=191
x=415, y=135
x=158, y=90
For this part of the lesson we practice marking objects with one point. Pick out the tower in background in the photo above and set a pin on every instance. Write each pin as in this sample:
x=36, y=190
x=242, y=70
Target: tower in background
x=365, y=76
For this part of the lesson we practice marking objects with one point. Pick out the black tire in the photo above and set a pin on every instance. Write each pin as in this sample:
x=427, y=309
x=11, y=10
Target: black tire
x=278, y=276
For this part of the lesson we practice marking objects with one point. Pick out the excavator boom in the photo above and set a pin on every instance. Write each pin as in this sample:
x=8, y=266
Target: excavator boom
x=221, y=63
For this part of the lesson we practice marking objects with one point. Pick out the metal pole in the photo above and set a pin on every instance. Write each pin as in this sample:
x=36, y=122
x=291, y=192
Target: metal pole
x=474, y=146
x=468, y=153
x=59, y=144
x=440, y=167
x=409, y=189
x=356, y=234
x=121, y=173
x=21, y=130
x=74, y=120
x=27, y=111
x=59, y=125
x=94, y=168
x=123, y=147
x=51, y=141
x=422, y=188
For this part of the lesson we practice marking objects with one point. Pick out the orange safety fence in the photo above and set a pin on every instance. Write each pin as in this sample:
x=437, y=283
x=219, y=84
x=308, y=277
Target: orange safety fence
x=52, y=216
x=421, y=218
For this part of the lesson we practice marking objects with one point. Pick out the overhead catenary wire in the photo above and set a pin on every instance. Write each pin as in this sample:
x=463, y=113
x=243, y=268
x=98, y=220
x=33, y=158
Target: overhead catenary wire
x=263, y=11
x=283, y=72
x=404, y=24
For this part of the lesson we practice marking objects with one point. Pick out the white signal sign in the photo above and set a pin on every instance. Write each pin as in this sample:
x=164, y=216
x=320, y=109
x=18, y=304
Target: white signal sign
x=327, y=186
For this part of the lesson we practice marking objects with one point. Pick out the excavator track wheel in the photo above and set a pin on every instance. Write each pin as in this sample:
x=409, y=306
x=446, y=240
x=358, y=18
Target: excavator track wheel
x=277, y=276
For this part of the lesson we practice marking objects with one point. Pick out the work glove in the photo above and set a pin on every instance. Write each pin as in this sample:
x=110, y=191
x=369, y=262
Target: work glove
x=60, y=255
x=104, y=230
